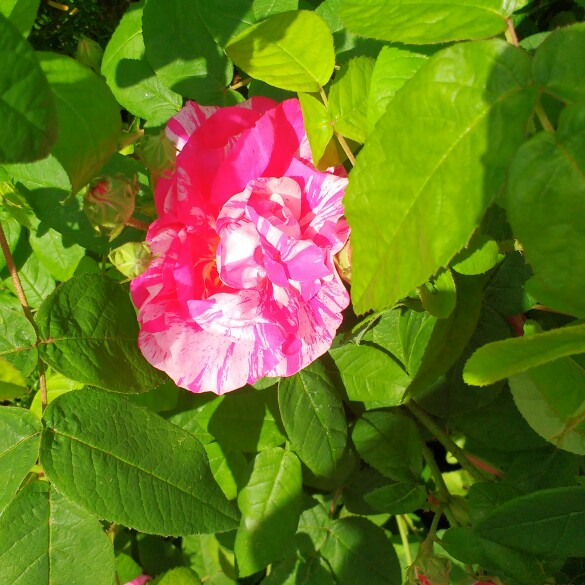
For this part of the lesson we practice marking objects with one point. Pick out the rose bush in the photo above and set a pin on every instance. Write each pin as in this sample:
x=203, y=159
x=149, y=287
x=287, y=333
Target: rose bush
x=243, y=283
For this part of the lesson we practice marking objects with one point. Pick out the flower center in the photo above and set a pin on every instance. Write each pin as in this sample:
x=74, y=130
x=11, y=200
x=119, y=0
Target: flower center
x=260, y=238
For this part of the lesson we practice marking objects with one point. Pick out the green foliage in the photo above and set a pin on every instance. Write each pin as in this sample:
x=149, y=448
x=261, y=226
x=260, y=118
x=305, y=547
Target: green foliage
x=139, y=453
x=273, y=51
x=28, y=106
x=88, y=328
x=131, y=78
x=444, y=427
x=422, y=23
x=50, y=530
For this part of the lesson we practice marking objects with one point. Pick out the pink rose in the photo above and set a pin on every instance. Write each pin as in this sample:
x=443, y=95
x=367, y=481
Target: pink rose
x=140, y=580
x=243, y=283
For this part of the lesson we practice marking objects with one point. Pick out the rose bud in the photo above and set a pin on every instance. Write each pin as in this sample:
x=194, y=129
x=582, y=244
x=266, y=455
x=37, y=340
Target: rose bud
x=109, y=203
x=430, y=570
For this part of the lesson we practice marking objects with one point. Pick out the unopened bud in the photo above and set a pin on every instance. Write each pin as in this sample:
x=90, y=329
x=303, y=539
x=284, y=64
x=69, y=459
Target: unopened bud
x=109, y=203
x=430, y=570
x=90, y=54
x=131, y=259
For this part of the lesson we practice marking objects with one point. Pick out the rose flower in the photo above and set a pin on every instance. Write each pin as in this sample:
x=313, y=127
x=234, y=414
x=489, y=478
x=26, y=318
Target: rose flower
x=242, y=284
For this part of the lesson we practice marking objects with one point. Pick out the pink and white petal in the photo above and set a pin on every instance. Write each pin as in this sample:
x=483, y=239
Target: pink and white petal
x=245, y=315
x=182, y=125
x=319, y=320
x=304, y=261
x=204, y=362
x=239, y=257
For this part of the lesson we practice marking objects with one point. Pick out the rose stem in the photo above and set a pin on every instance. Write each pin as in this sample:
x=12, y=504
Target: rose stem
x=138, y=224
x=445, y=440
x=402, y=528
x=511, y=35
x=440, y=483
x=26, y=309
x=340, y=138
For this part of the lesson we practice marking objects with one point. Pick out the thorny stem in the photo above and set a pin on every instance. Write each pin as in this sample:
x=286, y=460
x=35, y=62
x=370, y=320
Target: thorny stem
x=511, y=35
x=241, y=83
x=435, y=523
x=26, y=309
x=340, y=138
x=441, y=486
x=333, y=506
x=445, y=440
x=138, y=224
x=346, y=148
x=543, y=118
x=403, y=529
x=130, y=138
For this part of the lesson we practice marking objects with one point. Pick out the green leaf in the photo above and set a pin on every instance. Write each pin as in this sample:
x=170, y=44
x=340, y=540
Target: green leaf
x=130, y=77
x=549, y=522
x=391, y=443
x=393, y=68
x=408, y=179
x=226, y=19
x=45, y=538
x=92, y=435
x=348, y=98
x=293, y=50
x=247, y=420
x=505, y=358
x=451, y=395
x=177, y=576
x=183, y=52
x=554, y=63
x=12, y=382
x=60, y=260
x=548, y=178
x=313, y=525
x=397, y=498
x=20, y=432
x=369, y=374
x=27, y=106
x=483, y=497
x=18, y=340
x=558, y=416
x=37, y=282
x=317, y=122
x=57, y=384
x=385, y=333
x=358, y=552
x=468, y=547
x=425, y=22
x=439, y=296
x=90, y=334
x=206, y=556
x=89, y=118
x=505, y=289
x=478, y=256
x=448, y=337
x=313, y=417
x=21, y=13
x=271, y=505
x=229, y=468
x=498, y=425
x=347, y=45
